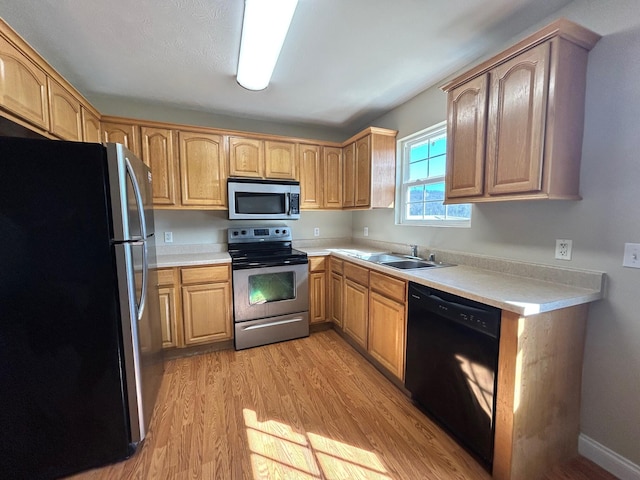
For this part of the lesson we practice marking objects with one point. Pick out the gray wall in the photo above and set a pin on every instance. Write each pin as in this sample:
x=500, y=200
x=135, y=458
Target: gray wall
x=599, y=225
x=131, y=108
x=201, y=227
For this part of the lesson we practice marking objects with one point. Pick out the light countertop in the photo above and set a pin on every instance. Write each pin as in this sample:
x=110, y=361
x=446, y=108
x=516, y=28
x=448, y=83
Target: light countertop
x=516, y=293
x=530, y=290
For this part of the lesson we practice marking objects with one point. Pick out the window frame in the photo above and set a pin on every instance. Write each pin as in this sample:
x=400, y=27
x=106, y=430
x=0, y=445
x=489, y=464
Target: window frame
x=402, y=185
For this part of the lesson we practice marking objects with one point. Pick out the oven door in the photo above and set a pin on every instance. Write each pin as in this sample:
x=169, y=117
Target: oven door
x=270, y=291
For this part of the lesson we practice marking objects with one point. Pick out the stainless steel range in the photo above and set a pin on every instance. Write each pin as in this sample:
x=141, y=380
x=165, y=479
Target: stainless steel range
x=270, y=286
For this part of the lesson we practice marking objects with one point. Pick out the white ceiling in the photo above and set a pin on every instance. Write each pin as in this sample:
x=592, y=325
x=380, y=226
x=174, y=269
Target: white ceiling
x=344, y=62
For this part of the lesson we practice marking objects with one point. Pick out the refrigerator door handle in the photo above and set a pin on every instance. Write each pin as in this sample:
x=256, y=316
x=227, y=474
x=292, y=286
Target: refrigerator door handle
x=143, y=229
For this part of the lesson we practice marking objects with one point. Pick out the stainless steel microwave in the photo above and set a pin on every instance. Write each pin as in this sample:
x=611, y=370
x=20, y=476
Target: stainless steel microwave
x=255, y=199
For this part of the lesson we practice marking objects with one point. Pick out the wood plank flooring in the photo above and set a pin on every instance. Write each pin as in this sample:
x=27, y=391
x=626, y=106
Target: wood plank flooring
x=306, y=409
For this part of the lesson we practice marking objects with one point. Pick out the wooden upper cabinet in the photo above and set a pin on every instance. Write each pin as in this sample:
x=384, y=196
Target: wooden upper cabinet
x=332, y=175
x=517, y=109
x=66, y=115
x=467, y=124
x=349, y=175
x=533, y=116
x=363, y=172
x=158, y=153
x=23, y=86
x=124, y=133
x=311, y=175
x=203, y=170
x=369, y=170
x=246, y=157
x=91, y=131
x=280, y=160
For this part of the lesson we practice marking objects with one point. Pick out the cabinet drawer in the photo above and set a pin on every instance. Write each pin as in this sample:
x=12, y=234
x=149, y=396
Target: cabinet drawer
x=336, y=265
x=218, y=273
x=357, y=274
x=317, y=264
x=165, y=276
x=388, y=286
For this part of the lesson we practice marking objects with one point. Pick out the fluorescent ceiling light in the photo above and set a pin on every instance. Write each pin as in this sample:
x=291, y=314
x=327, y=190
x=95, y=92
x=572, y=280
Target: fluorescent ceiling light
x=264, y=29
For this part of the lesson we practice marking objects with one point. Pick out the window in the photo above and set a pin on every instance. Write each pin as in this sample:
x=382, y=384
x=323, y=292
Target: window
x=421, y=181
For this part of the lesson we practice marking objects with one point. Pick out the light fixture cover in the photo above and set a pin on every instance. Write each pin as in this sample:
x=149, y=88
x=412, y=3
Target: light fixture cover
x=264, y=29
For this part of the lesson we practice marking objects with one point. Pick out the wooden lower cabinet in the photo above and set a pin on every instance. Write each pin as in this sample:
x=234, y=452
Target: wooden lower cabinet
x=206, y=313
x=195, y=305
x=355, y=303
x=356, y=311
x=387, y=333
x=169, y=317
x=336, y=284
x=317, y=290
x=373, y=313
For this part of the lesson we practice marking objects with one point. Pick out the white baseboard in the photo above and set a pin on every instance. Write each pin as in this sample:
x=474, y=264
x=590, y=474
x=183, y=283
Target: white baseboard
x=608, y=459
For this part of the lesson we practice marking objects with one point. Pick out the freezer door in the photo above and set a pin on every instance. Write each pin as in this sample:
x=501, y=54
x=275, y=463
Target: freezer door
x=131, y=194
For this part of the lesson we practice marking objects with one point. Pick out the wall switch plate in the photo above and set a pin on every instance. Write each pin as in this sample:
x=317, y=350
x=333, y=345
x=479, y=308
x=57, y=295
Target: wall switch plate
x=563, y=249
x=366, y=231
x=631, y=255
x=316, y=232
x=168, y=237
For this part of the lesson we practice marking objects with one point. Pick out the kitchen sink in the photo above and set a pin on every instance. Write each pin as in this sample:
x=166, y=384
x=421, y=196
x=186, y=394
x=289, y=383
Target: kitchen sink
x=400, y=261
x=409, y=264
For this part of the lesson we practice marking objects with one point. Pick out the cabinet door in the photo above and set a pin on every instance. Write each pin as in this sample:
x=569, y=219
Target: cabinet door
x=203, y=170
x=23, y=86
x=159, y=154
x=387, y=331
x=64, y=109
x=246, y=157
x=317, y=297
x=126, y=134
x=349, y=176
x=517, y=109
x=332, y=163
x=363, y=172
x=90, y=127
x=466, y=130
x=310, y=176
x=280, y=160
x=356, y=311
x=206, y=313
x=335, y=300
x=169, y=317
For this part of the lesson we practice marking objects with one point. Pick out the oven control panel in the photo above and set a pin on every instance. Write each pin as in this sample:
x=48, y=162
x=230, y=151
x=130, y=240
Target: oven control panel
x=259, y=234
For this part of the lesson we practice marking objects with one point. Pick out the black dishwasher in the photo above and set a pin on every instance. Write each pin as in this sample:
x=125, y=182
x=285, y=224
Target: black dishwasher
x=451, y=369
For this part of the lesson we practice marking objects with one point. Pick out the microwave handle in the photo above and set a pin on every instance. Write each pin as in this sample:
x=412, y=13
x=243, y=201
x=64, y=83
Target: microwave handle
x=287, y=203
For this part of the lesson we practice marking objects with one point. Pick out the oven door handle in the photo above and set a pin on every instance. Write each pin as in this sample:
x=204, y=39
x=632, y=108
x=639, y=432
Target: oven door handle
x=273, y=324
x=287, y=203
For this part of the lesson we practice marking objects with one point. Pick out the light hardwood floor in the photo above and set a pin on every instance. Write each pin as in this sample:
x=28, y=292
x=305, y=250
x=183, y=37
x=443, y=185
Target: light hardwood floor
x=306, y=409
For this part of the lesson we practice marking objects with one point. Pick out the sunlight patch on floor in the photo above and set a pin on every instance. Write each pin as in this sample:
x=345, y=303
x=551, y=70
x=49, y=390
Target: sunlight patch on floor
x=277, y=451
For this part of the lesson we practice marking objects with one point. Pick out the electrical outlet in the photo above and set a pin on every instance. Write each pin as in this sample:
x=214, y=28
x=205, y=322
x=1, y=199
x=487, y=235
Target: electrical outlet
x=168, y=237
x=631, y=255
x=563, y=249
x=366, y=231
x=316, y=232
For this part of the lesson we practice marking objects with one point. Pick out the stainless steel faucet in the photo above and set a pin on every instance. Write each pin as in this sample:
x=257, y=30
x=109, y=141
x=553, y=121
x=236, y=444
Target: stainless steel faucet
x=432, y=257
x=414, y=250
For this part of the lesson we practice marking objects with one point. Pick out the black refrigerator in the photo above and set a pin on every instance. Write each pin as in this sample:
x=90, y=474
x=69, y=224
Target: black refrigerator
x=80, y=336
